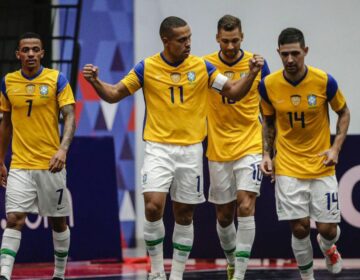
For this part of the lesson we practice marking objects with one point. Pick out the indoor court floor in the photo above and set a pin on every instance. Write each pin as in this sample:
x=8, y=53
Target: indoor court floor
x=136, y=269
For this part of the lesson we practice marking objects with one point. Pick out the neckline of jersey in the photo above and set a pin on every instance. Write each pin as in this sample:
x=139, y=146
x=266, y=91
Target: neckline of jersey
x=233, y=63
x=295, y=83
x=33, y=77
x=176, y=64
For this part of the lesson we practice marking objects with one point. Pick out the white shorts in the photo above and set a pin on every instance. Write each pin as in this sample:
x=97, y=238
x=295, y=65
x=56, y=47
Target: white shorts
x=314, y=198
x=37, y=191
x=174, y=168
x=226, y=178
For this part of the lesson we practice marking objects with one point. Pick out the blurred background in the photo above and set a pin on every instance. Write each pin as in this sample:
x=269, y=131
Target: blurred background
x=105, y=159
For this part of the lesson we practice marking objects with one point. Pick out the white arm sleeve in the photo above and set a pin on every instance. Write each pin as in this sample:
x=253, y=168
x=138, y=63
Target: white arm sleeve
x=219, y=82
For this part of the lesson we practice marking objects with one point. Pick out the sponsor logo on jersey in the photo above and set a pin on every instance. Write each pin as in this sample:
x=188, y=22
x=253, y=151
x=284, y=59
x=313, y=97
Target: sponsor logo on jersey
x=295, y=100
x=191, y=76
x=30, y=88
x=311, y=100
x=175, y=77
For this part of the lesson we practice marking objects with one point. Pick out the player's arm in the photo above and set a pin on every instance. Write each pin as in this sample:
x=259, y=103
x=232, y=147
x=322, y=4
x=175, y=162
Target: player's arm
x=57, y=162
x=268, y=135
x=108, y=92
x=342, y=126
x=5, y=137
x=238, y=89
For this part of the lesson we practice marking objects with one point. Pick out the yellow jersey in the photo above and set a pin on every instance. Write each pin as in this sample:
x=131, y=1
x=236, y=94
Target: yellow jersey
x=302, y=120
x=234, y=128
x=34, y=104
x=176, y=98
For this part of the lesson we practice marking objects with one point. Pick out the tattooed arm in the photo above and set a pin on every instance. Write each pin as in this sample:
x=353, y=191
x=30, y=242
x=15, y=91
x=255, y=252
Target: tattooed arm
x=268, y=144
x=57, y=162
x=342, y=125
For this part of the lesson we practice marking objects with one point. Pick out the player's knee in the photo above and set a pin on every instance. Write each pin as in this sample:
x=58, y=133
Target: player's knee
x=246, y=208
x=328, y=231
x=15, y=220
x=301, y=230
x=153, y=211
x=225, y=219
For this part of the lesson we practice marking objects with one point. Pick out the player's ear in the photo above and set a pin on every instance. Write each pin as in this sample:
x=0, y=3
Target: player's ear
x=42, y=53
x=17, y=54
x=217, y=38
x=306, y=50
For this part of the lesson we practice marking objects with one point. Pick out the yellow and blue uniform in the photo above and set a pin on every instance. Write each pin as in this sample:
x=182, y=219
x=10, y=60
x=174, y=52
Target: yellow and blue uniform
x=234, y=128
x=34, y=104
x=176, y=98
x=302, y=120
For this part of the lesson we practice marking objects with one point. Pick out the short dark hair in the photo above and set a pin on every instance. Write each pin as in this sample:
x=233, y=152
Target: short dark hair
x=30, y=35
x=291, y=35
x=170, y=23
x=229, y=23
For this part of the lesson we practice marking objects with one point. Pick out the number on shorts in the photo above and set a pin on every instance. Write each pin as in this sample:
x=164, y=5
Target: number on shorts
x=332, y=198
x=257, y=174
x=60, y=196
x=198, y=183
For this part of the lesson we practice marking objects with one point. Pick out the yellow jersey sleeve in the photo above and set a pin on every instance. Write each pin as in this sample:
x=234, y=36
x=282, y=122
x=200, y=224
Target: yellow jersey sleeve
x=267, y=108
x=334, y=94
x=4, y=101
x=134, y=80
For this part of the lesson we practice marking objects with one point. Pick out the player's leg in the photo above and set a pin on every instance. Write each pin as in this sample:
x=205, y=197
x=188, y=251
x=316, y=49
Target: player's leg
x=19, y=199
x=157, y=174
x=61, y=241
x=222, y=193
x=248, y=180
x=54, y=202
x=325, y=211
x=186, y=191
x=292, y=204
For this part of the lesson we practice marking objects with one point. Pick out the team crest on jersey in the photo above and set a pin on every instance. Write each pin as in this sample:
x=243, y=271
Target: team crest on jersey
x=191, y=76
x=242, y=74
x=175, y=77
x=30, y=88
x=311, y=100
x=295, y=100
x=229, y=74
x=44, y=89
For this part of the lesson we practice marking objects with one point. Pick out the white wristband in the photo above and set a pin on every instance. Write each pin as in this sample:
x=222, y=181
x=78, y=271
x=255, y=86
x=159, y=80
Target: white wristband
x=219, y=82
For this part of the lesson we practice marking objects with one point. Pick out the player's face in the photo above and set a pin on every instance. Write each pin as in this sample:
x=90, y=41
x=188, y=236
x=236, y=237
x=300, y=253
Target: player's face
x=293, y=57
x=179, y=45
x=30, y=53
x=230, y=42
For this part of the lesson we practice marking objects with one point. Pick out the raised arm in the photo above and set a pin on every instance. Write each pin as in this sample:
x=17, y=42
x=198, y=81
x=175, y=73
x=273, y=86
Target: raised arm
x=57, y=162
x=108, y=92
x=238, y=89
x=342, y=125
x=5, y=136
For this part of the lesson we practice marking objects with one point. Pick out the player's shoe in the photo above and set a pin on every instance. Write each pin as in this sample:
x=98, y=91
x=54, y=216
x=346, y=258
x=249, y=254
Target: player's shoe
x=57, y=278
x=230, y=270
x=3, y=278
x=333, y=258
x=157, y=276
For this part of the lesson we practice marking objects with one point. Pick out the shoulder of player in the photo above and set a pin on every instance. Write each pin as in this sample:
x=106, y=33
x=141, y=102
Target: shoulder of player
x=274, y=76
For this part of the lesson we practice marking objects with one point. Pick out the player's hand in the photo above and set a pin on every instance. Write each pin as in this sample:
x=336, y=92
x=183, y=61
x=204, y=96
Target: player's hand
x=331, y=157
x=256, y=63
x=90, y=72
x=266, y=167
x=57, y=162
x=3, y=175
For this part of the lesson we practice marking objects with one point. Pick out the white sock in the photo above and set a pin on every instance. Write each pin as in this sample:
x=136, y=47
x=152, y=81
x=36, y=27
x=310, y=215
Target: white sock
x=183, y=238
x=227, y=236
x=303, y=253
x=9, y=247
x=327, y=244
x=61, y=241
x=244, y=240
x=154, y=233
